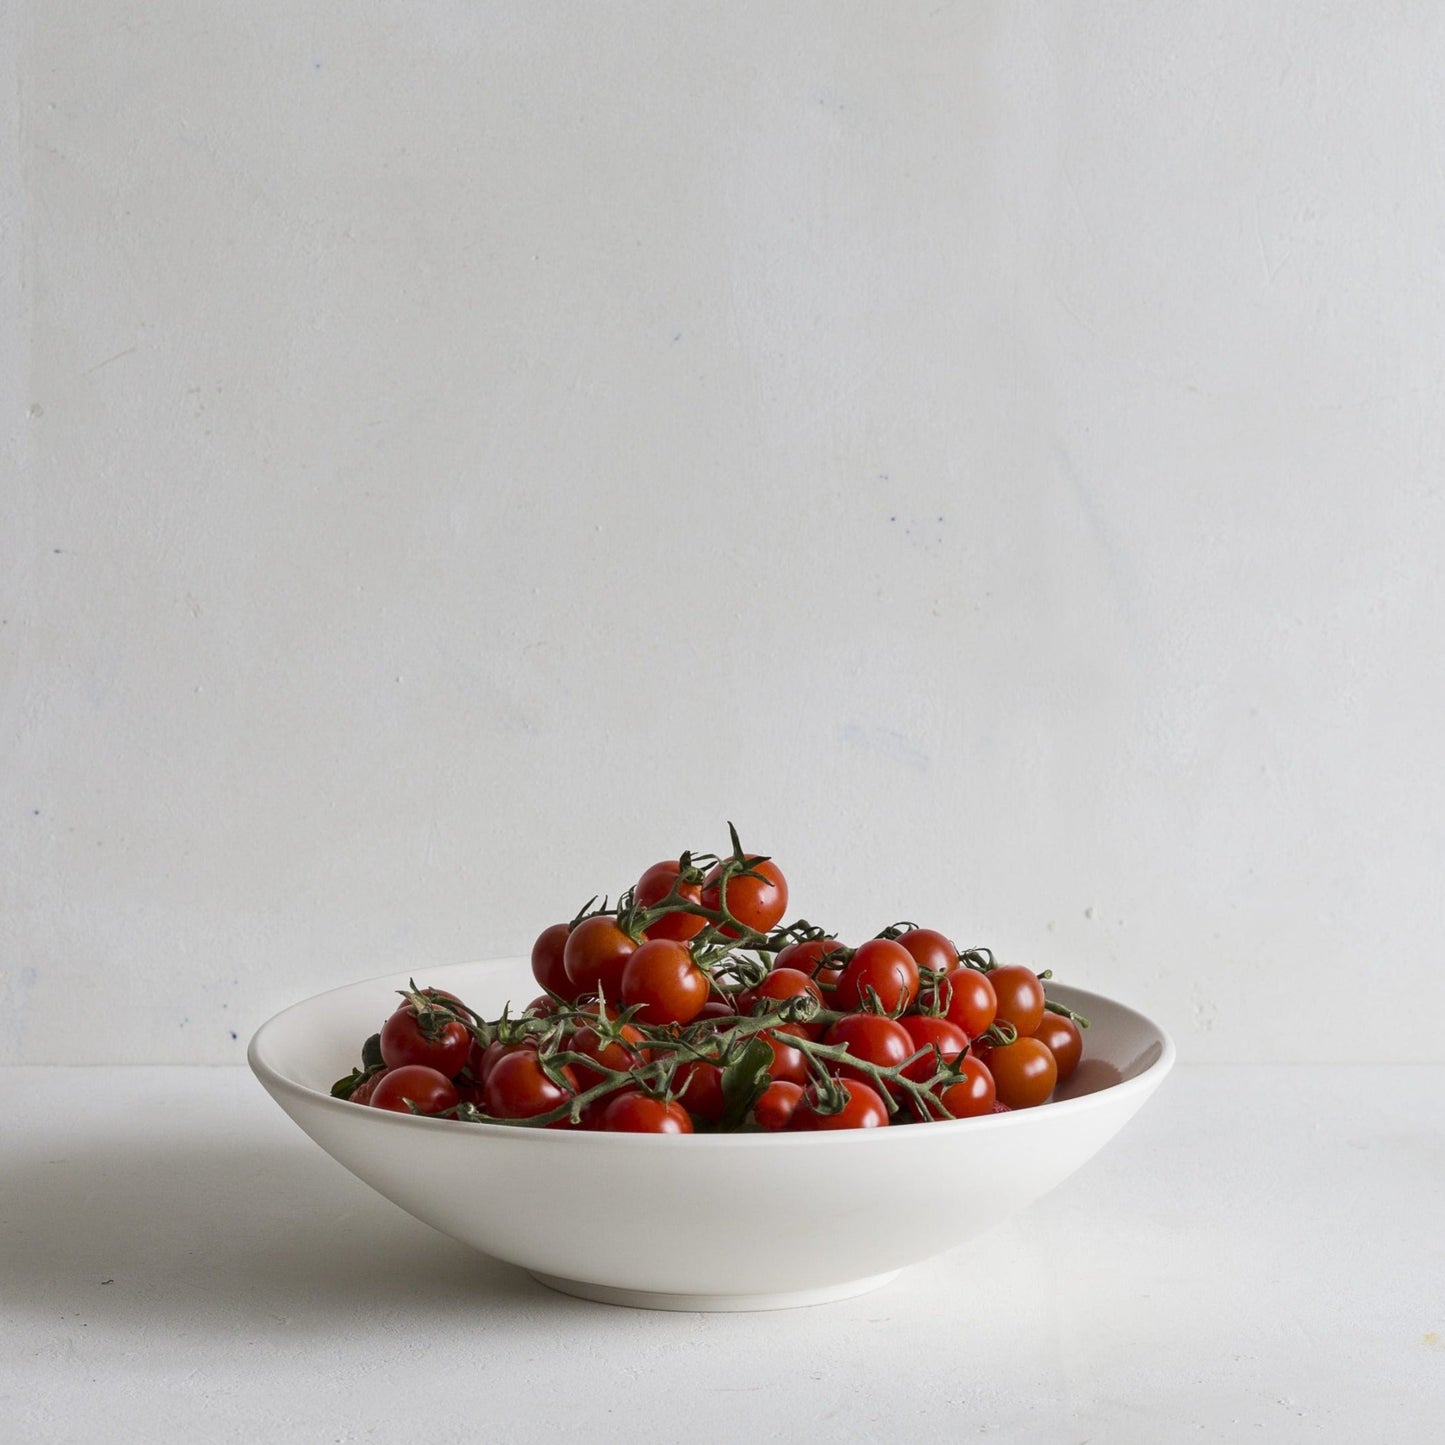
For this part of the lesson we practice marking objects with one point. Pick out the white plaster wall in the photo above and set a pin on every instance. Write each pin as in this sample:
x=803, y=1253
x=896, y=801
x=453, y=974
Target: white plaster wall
x=458, y=454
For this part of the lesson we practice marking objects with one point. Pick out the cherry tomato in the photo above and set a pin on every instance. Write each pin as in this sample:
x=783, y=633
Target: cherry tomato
x=653, y=887
x=406, y=1038
x=822, y=959
x=596, y=952
x=775, y=1106
x=548, y=967
x=664, y=983
x=863, y=1109
x=633, y=1112
x=517, y=1087
x=362, y=1093
x=699, y=1089
x=881, y=977
x=619, y=1055
x=1020, y=996
x=1024, y=1073
x=930, y=949
x=939, y=1033
x=757, y=903
x=1063, y=1040
x=717, y=1008
x=973, y=1094
x=414, y=1084
x=780, y=984
x=789, y=1063
x=870, y=1038
x=968, y=1000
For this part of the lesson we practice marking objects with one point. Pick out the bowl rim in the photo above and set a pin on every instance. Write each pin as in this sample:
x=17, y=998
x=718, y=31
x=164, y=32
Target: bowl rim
x=279, y=1083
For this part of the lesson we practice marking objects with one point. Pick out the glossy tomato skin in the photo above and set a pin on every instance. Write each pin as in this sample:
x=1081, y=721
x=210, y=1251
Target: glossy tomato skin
x=757, y=903
x=618, y=1055
x=881, y=977
x=548, y=966
x=871, y=1038
x=700, y=1091
x=774, y=1109
x=1024, y=1073
x=968, y=1000
x=596, y=952
x=405, y=1040
x=664, y=983
x=822, y=959
x=937, y=1033
x=653, y=887
x=633, y=1112
x=864, y=1109
x=790, y=1064
x=1063, y=1040
x=974, y=1094
x=1020, y=996
x=930, y=949
x=717, y=1008
x=518, y=1088
x=780, y=984
x=429, y=1091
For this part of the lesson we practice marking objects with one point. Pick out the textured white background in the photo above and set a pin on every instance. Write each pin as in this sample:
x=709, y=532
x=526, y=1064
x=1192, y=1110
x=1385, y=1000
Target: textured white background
x=457, y=454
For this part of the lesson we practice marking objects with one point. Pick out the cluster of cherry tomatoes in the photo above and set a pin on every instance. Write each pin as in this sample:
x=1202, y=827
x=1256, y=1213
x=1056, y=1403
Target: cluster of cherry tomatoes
x=690, y=1006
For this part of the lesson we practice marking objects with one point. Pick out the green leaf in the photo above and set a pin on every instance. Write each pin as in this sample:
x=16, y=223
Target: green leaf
x=743, y=1081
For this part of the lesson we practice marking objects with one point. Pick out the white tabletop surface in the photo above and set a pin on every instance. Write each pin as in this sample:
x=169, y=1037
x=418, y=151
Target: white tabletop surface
x=1259, y=1256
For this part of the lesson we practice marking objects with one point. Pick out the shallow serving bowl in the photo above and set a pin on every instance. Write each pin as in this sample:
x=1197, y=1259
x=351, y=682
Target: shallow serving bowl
x=698, y=1222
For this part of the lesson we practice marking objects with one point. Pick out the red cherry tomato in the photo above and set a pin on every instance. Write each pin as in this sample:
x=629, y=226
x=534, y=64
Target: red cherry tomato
x=548, y=967
x=1020, y=996
x=757, y=903
x=880, y=977
x=775, y=1106
x=517, y=1087
x=596, y=952
x=1024, y=1073
x=1063, y=1040
x=632, y=1112
x=406, y=1038
x=414, y=1088
x=863, y=1109
x=653, y=887
x=930, y=949
x=822, y=959
x=925, y=1032
x=362, y=1093
x=698, y=1085
x=870, y=1038
x=664, y=983
x=717, y=1008
x=789, y=1063
x=968, y=1000
x=973, y=1094
x=618, y=1055
x=780, y=984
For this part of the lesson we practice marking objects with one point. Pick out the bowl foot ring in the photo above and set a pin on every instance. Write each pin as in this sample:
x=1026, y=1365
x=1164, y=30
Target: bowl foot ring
x=643, y=1299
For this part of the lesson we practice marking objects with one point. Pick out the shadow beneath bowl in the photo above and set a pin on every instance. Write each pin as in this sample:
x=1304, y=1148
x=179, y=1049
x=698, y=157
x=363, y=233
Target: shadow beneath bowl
x=223, y=1239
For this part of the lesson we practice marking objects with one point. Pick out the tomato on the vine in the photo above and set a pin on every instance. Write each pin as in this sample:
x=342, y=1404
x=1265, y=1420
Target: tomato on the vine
x=595, y=954
x=1020, y=996
x=968, y=1000
x=1024, y=1072
x=881, y=977
x=775, y=1106
x=781, y=984
x=972, y=1094
x=548, y=965
x=617, y=1055
x=698, y=1086
x=756, y=902
x=789, y=1063
x=633, y=1112
x=414, y=1088
x=822, y=959
x=930, y=949
x=408, y=1038
x=927, y=1032
x=654, y=886
x=863, y=1108
x=872, y=1039
x=663, y=982
x=517, y=1087
x=1063, y=1040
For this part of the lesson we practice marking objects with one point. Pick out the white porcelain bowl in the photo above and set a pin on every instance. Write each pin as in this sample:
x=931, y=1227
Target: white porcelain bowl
x=698, y=1222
